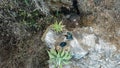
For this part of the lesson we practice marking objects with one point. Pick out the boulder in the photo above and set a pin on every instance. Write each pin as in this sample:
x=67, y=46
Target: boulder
x=88, y=49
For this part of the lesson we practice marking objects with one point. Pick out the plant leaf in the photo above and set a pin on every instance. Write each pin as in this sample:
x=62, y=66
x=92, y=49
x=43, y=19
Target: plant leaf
x=53, y=52
x=67, y=56
x=50, y=55
x=66, y=62
x=62, y=53
x=58, y=55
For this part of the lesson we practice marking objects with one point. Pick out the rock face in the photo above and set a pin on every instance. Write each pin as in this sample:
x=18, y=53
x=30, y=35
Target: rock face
x=88, y=49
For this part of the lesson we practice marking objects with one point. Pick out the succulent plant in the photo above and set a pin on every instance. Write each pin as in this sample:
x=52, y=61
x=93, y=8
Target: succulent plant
x=58, y=58
x=58, y=27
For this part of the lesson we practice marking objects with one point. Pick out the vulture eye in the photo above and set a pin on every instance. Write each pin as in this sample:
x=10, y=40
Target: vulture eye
x=62, y=44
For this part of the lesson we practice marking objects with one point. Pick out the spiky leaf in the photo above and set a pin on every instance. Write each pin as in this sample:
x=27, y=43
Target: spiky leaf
x=67, y=56
x=62, y=53
x=52, y=51
x=50, y=55
x=66, y=62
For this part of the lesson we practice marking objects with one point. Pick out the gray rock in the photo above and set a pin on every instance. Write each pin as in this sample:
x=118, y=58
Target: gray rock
x=88, y=49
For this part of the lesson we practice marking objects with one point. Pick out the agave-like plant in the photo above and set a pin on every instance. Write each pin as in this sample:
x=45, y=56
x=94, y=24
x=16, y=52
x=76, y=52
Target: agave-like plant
x=58, y=27
x=58, y=58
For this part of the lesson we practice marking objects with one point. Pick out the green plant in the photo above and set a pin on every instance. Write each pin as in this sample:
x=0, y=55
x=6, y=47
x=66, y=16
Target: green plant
x=29, y=19
x=58, y=27
x=58, y=58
